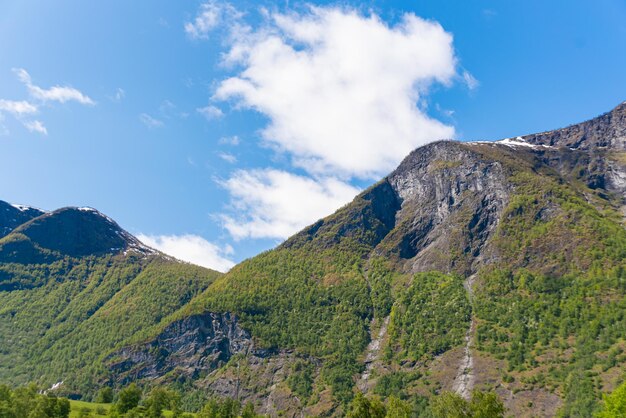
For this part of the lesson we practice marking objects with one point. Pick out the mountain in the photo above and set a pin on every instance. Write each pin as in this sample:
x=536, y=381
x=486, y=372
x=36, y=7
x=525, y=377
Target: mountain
x=74, y=286
x=477, y=265
x=473, y=265
x=12, y=216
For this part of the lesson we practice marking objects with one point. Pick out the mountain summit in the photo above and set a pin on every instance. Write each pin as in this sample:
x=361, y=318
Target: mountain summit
x=12, y=216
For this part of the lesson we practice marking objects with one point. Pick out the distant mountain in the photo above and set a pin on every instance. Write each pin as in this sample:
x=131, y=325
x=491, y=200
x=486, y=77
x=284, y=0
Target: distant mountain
x=66, y=232
x=495, y=265
x=12, y=216
x=74, y=286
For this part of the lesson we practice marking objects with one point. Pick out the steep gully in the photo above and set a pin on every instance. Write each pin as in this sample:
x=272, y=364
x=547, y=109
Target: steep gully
x=464, y=380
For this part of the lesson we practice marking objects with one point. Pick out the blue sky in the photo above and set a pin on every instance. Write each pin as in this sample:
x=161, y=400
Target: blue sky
x=215, y=129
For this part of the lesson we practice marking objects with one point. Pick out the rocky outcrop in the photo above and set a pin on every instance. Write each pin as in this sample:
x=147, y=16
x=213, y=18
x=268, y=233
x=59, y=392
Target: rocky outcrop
x=444, y=186
x=605, y=131
x=196, y=344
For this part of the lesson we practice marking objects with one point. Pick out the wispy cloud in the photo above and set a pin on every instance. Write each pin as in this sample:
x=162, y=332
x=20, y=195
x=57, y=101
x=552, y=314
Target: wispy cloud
x=210, y=15
x=118, y=96
x=59, y=94
x=230, y=140
x=150, y=122
x=193, y=249
x=21, y=110
x=470, y=81
x=36, y=126
x=210, y=112
x=17, y=107
x=489, y=14
x=228, y=157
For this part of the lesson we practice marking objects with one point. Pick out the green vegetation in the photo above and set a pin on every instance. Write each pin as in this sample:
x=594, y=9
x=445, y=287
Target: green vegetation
x=81, y=309
x=28, y=402
x=614, y=405
x=481, y=405
x=557, y=297
x=430, y=317
x=444, y=405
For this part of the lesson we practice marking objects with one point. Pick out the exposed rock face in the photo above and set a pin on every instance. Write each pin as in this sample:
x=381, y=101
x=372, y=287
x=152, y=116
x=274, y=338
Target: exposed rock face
x=199, y=343
x=605, y=131
x=442, y=186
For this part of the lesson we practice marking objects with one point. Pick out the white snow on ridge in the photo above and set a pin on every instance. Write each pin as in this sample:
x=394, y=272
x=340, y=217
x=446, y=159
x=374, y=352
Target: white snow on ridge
x=511, y=142
x=517, y=142
x=24, y=208
x=97, y=212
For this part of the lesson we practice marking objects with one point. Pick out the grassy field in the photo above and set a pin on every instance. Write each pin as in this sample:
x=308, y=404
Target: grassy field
x=92, y=406
x=95, y=408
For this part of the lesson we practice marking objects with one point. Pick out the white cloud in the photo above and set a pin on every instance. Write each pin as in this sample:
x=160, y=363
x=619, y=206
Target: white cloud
x=228, y=157
x=193, y=249
x=470, y=80
x=210, y=112
x=210, y=16
x=230, y=140
x=275, y=204
x=60, y=94
x=150, y=122
x=36, y=126
x=20, y=110
x=341, y=89
x=17, y=108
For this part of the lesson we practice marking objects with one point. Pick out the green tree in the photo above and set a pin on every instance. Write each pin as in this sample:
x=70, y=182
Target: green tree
x=157, y=401
x=482, y=405
x=128, y=399
x=362, y=407
x=486, y=405
x=397, y=408
x=450, y=405
x=614, y=405
x=62, y=408
x=225, y=408
x=248, y=411
x=580, y=396
x=105, y=395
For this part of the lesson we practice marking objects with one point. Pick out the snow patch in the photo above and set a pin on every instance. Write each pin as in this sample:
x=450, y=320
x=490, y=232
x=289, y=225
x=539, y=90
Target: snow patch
x=25, y=208
x=520, y=142
x=513, y=143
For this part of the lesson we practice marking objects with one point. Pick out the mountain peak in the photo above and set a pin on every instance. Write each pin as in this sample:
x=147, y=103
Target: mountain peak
x=606, y=131
x=79, y=231
x=12, y=216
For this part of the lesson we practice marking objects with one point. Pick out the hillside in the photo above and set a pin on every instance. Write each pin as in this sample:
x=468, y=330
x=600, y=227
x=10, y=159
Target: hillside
x=73, y=286
x=473, y=265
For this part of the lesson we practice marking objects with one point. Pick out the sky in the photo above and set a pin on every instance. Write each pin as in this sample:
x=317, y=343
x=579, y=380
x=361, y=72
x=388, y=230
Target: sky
x=214, y=130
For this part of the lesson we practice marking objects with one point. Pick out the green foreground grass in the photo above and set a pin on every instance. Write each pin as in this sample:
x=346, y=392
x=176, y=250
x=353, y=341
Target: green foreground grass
x=94, y=407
